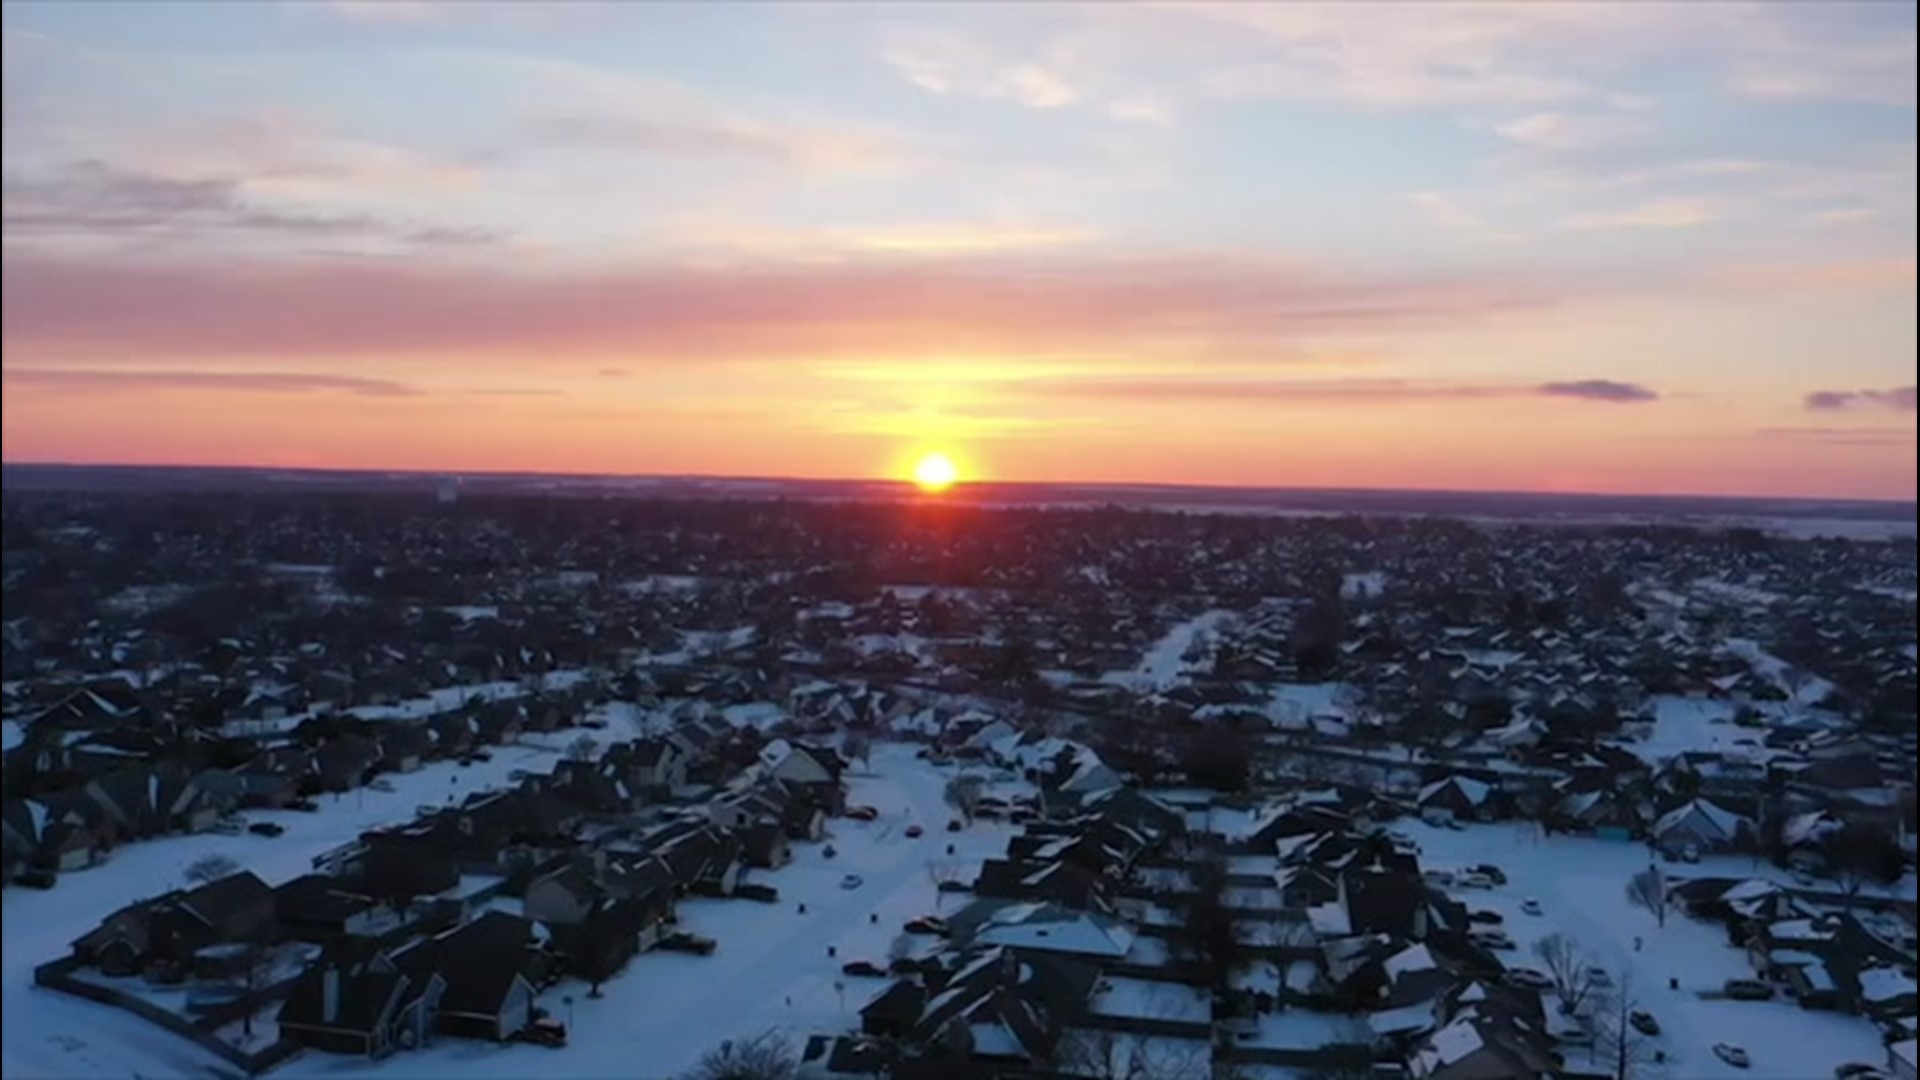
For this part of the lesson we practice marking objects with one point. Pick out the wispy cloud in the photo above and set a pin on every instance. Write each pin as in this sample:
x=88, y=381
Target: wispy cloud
x=1899, y=398
x=1599, y=390
x=1840, y=436
x=1023, y=305
x=89, y=198
x=1384, y=391
x=1668, y=213
x=101, y=380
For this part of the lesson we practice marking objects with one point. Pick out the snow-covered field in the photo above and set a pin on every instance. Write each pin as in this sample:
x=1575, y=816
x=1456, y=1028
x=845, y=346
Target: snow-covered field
x=771, y=970
x=1581, y=885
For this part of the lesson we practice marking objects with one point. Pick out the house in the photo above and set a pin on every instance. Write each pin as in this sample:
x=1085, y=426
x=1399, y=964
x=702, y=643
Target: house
x=319, y=907
x=1473, y=1047
x=172, y=928
x=650, y=764
x=493, y=969
x=1900, y=1060
x=1042, y=927
x=1702, y=825
x=370, y=1009
x=346, y=762
x=404, y=747
x=1456, y=798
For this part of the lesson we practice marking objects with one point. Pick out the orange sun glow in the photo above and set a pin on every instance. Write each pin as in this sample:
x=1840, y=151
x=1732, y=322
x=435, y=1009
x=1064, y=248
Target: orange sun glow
x=935, y=472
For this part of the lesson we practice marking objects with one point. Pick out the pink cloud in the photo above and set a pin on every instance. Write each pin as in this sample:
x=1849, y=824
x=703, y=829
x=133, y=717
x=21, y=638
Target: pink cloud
x=154, y=311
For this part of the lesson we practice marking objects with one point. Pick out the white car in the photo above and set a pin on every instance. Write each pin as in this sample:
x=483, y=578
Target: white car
x=1492, y=939
x=852, y=881
x=1473, y=881
x=1732, y=1055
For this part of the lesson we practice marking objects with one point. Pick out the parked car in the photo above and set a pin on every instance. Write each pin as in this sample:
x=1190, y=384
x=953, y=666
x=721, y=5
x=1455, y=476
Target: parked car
x=1643, y=1022
x=765, y=894
x=863, y=813
x=928, y=924
x=380, y=785
x=1438, y=878
x=865, y=969
x=1530, y=906
x=266, y=828
x=688, y=943
x=955, y=886
x=915, y=832
x=1492, y=939
x=306, y=806
x=1599, y=976
x=1498, y=876
x=545, y=1031
x=1690, y=853
x=1859, y=1070
x=953, y=825
x=1575, y=1036
x=1732, y=1055
x=482, y=755
x=1486, y=918
x=228, y=827
x=1471, y=880
x=1748, y=990
x=852, y=881
x=37, y=879
x=594, y=723
x=1529, y=979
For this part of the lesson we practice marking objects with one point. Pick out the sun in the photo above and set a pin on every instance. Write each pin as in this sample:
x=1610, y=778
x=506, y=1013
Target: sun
x=935, y=472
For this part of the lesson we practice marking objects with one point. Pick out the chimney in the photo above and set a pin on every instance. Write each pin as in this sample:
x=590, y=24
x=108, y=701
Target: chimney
x=330, y=994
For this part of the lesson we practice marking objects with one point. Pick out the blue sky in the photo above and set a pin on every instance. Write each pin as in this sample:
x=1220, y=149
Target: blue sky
x=1051, y=231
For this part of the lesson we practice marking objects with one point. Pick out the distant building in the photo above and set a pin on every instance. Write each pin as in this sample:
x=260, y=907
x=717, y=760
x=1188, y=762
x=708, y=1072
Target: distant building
x=449, y=490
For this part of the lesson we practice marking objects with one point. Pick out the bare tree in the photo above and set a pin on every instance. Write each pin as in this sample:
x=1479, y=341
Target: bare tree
x=209, y=868
x=765, y=1056
x=1624, y=1047
x=963, y=795
x=941, y=872
x=857, y=747
x=582, y=748
x=1575, y=977
x=1648, y=889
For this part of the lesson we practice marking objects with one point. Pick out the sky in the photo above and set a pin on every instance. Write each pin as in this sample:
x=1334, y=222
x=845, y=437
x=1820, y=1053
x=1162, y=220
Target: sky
x=1527, y=246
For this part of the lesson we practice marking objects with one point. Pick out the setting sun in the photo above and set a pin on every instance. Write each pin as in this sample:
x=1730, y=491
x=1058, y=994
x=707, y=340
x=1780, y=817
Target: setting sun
x=935, y=472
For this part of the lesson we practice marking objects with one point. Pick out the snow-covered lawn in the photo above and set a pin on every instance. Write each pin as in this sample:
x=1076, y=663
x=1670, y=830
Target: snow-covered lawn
x=1581, y=886
x=1166, y=660
x=47, y=1034
x=772, y=968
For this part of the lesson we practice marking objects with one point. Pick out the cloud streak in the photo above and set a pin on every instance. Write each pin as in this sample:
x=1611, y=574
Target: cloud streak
x=1607, y=390
x=1007, y=304
x=1899, y=399
x=100, y=380
x=1382, y=391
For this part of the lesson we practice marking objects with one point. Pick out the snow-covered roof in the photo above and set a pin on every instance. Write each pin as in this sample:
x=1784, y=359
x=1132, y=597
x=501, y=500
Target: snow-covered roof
x=1412, y=959
x=1883, y=984
x=1703, y=813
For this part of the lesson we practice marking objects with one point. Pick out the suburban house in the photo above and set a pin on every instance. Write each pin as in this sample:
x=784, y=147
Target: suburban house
x=370, y=1008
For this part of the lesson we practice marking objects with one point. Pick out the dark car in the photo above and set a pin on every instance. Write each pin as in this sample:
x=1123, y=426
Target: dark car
x=953, y=825
x=1643, y=1022
x=689, y=943
x=927, y=924
x=865, y=969
x=305, y=806
x=765, y=894
x=915, y=832
x=266, y=828
x=1748, y=990
x=481, y=755
x=595, y=724
x=863, y=813
x=1486, y=918
x=955, y=886
x=1492, y=872
x=38, y=879
x=545, y=1031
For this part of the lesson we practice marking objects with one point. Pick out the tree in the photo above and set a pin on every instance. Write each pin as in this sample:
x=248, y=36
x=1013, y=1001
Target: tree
x=1859, y=855
x=857, y=747
x=1622, y=1046
x=963, y=795
x=765, y=1056
x=1208, y=933
x=940, y=872
x=582, y=749
x=1575, y=977
x=209, y=868
x=1648, y=889
x=256, y=962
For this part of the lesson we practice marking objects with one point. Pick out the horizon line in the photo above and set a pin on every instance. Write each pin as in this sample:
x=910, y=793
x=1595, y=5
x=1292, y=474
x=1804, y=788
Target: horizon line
x=964, y=485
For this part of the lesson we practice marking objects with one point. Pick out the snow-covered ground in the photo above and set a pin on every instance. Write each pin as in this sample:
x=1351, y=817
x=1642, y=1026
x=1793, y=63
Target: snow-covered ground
x=1581, y=885
x=1165, y=661
x=51, y=1035
x=771, y=970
